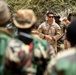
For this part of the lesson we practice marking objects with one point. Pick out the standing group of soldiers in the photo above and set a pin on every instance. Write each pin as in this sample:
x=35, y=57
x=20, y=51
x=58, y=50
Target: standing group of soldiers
x=24, y=53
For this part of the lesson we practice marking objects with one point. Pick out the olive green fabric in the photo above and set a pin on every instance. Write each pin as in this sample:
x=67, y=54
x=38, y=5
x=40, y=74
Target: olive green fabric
x=13, y=29
x=65, y=63
x=4, y=39
x=66, y=67
x=45, y=53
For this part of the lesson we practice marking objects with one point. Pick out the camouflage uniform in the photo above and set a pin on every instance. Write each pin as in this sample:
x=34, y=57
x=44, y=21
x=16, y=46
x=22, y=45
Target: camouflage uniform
x=5, y=37
x=13, y=29
x=35, y=33
x=42, y=54
x=63, y=26
x=64, y=63
x=53, y=30
x=17, y=56
x=65, y=43
x=41, y=50
x=61, y=40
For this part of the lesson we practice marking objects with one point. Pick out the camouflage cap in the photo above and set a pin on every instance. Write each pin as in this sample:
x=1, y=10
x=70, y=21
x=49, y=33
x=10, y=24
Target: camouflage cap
x=25, y=18
x=4, y=12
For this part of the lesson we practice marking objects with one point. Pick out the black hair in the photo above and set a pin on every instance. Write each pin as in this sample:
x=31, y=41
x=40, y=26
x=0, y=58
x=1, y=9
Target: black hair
x=71, y=33
x=57, y=17
x=49, y=13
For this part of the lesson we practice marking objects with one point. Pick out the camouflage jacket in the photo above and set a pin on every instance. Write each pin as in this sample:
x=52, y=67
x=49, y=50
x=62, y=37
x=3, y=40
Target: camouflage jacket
x=64, y=63
x=42, y=47
x=63, y=26
x=53, y=30
x=41, y=50
x=13, y=29
x=5, y=37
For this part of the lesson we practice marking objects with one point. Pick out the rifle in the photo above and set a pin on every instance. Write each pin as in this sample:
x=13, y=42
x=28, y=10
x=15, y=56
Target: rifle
x=61, y=36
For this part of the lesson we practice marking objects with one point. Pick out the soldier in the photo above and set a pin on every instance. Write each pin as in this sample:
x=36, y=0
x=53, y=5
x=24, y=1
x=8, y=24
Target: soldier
x=17, y=55
x=12, y=28
x=65, y=62
x=64, y=24
x=50, y=30
x=9, y=25
x=8, y=44
x=40, y=51
x=5, y=35
x=57, y=19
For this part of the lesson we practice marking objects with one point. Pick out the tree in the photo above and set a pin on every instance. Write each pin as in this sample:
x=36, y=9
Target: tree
x=41, y=6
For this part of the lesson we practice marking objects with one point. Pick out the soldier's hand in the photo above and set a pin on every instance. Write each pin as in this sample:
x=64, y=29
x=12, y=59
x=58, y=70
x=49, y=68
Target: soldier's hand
x=49, y=38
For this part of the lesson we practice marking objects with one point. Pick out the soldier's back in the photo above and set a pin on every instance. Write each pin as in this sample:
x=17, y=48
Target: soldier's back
x=5, y=37
x=64, y=63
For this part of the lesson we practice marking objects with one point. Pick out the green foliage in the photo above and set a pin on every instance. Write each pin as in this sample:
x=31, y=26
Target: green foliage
x=41, y=6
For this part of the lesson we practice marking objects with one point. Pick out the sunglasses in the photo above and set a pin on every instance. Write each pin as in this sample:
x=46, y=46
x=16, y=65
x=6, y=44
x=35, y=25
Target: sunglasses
x=51, y=16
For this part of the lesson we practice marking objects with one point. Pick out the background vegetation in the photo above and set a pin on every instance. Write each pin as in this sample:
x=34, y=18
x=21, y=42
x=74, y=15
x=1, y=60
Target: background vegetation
x=40, y=7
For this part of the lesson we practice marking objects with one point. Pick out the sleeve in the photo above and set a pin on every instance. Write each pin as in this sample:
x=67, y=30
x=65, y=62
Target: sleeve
x=63, y=26
x=50, y=69
x=40, y=30
x=50, y=51
x=58, y=33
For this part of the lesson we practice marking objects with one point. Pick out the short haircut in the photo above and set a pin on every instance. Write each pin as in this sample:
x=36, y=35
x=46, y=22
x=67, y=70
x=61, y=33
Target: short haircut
x=49, y=13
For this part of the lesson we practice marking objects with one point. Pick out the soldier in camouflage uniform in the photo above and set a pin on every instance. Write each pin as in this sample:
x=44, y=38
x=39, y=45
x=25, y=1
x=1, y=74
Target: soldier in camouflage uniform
x=50, y=30
x=12, y=29
x=10, y=26
x=5, y=35
x=41, y=50
x=65, y=62
x=64, y=24
x=63, y=27
x=17, y=56
x=11, y=50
